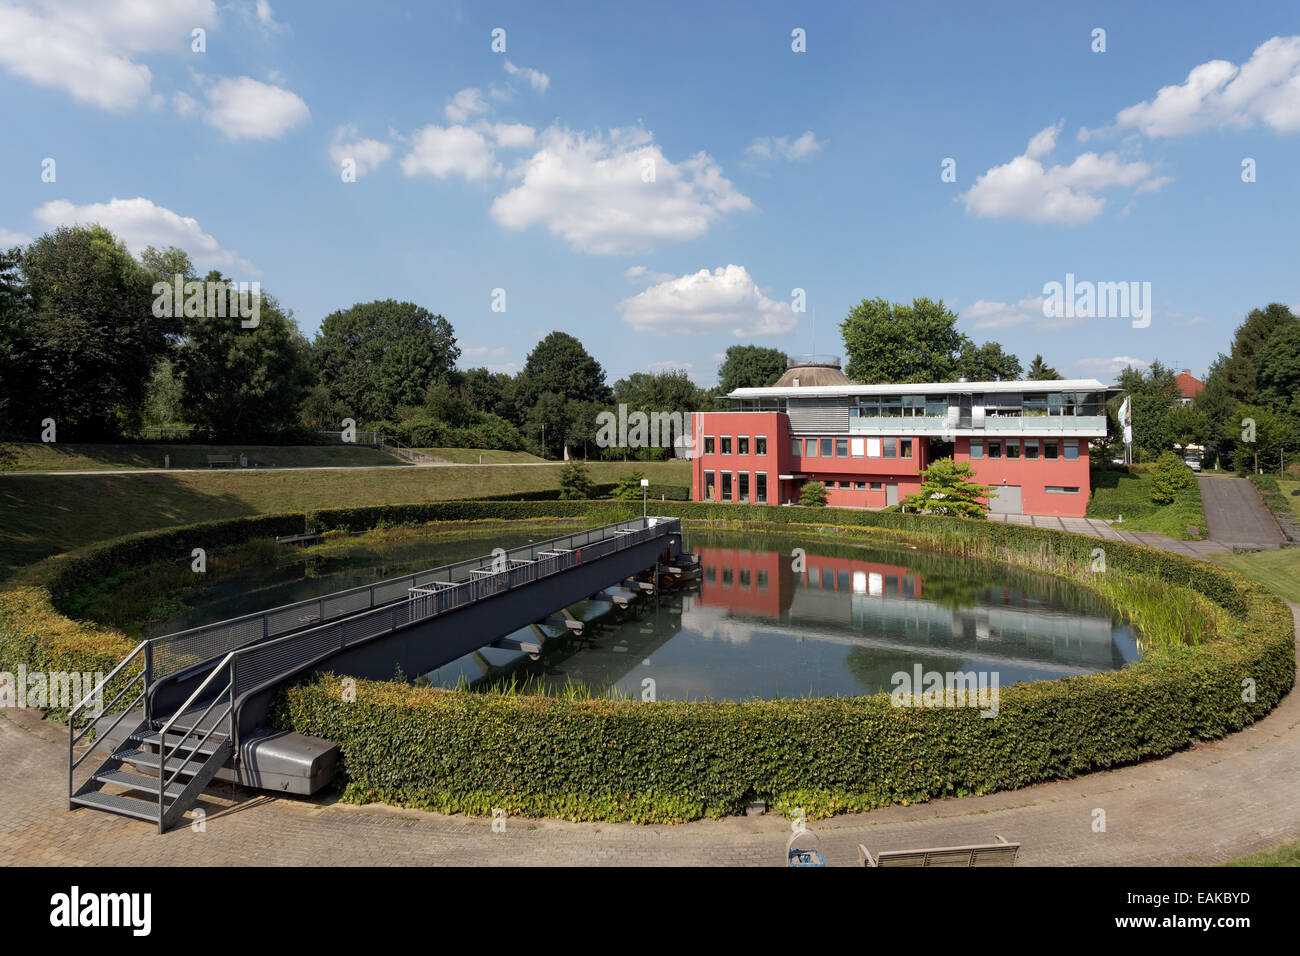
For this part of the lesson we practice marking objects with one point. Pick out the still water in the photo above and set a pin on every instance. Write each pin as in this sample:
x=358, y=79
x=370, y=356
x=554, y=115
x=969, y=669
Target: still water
x=758, y=622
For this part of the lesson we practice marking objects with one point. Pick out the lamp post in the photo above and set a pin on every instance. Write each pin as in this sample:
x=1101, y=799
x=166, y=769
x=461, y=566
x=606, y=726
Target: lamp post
x=645, y=484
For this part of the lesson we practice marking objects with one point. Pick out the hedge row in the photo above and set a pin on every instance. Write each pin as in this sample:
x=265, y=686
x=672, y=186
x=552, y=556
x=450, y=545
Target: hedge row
x=1278, y=506
x=601, y=490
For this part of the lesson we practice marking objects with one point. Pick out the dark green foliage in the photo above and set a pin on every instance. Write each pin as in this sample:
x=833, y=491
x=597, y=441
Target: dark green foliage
x=894, y=342
x=813, y=494
x=628, y=486
x=1169, y=476
x=949, y=487
x=1040, y=371
x=575, y=481
x=750, y=366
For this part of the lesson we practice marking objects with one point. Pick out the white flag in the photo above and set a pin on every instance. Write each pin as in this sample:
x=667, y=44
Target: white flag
x=1126, y=419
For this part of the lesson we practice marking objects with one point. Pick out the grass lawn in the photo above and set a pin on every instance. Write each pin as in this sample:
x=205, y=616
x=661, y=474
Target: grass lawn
x=41, y=515
x=470, y=456
x=1288, y=854
x=1116, y=493
x=1278, y=570
x=77, y=457
x=1291, y=492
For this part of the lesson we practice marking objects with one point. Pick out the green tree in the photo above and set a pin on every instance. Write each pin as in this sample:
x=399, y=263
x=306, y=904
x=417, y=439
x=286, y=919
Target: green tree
x=377, y=357
x=1153, y=392
x=164, y=401
x=1169, y=476
x=896, y=343
x=628, y=486
x=1214, y=402
x=948, y=487
x=987, y=363
x=1263, y=434
x=1241, y=368
x=558, y=371
x=575, y=481
x=750, y=366
x=241, y=383
x=813, y=494
x=92, y=334
x=15, y=343
x=548, y=423
x=1186, y=425
x=1040, y=371
x=1277, y=371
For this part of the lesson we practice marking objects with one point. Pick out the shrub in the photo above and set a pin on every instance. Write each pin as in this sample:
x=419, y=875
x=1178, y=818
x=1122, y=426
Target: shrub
x=1169, y=476
x=628, y=487
x=575, y=481
x=813, y=495
x=949, y=487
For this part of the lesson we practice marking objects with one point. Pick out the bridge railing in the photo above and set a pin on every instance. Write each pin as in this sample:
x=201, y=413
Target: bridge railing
x=174, y=653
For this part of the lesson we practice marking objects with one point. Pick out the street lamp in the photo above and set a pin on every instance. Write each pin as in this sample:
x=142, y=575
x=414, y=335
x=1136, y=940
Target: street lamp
x=645, y=483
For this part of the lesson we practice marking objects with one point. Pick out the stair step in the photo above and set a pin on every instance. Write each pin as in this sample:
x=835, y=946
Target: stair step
x=136, y=781
x=114, y=803
x=152, y=739
x=149, y=758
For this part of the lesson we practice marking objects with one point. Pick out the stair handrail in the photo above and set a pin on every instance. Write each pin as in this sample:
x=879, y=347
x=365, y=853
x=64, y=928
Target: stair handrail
x=164, y=754
x=73, y=762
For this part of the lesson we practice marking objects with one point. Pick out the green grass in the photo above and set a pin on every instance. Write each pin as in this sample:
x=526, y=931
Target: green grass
x=1288, y=854
x=1277, y=570
x=41, y=515
x=1116, y=493
x=1290, y=489
x=78, y=457
x=470, y=456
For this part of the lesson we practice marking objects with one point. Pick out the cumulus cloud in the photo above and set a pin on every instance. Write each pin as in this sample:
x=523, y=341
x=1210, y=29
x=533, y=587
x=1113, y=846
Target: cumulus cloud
x=245, y=108
x=91, y=50
x=512, y=135
x=984, y=314
x=1104, y=368
x=1218, y=94
x=184, y=104
x=779, y=147
x=615, y=194
x=642, y=275
x=1028, y=190
x=465, y=104
x=725, y=300
x=368, y=154
x=450, y=151
x=139, y=222
x=9, y=238
x=539, y=81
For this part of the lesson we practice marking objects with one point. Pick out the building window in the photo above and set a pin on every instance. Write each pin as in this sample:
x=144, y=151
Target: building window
x=905, y=448
x=760, y=579
x=744, y=486
x=1071, y=448
x=760, y=446
x=844, y=485
x=1013, y=448
x=726, y=486
x=1049, y=449
x=977, y=448
x=726, y=446
x=858, y=447
x=860, y=485
x=742, y=446
x=710, y=444
x=709, y=486
x=877, y=486
x=1031, y=448
x=827, y=449
x=1061, y=490
x=891, y=447
x=841, y=448
x=796, y=447
x=744, y=579
x=760, y=487
x=873, y=447
x=995, y=448
x=811, y=450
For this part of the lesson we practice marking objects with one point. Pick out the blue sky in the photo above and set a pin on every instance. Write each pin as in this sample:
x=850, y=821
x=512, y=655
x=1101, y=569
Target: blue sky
x=526, y=170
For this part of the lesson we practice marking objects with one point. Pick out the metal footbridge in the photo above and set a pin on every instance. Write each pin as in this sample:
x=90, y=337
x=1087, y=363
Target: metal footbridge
x=192, y=706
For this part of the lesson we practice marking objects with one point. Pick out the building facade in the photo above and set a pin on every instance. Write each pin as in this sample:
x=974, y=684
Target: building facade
x=869, y=443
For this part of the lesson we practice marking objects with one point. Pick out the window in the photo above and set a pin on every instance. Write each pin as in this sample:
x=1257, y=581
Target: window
x=709, y=445
x=742, y=445
x=760, y=446
x=1071, y=448
x=760, y=487
x=995, y=448
x=726, y=446
x=1031, y=448
x=936, y=406
x=860, y=486
x=760, y=579
x=1061, y=490
x=827, y=450
x=877, y=486
x=844, y=485
x=726, y=486
x=858, y=446
x=811, y=451
x=867, y=406
x=1050, y=449
x=891, y=406
x=796, y=447
x=976, y=448
x=873, y=447
x=841, y=448
x=1013, y=448
x=744, y=486
x=728, y=577
x=905, y=448
x=709, y=487
x=744, y=579
x=891, y=447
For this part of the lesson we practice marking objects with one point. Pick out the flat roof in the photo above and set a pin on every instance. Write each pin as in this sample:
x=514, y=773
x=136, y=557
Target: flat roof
x=914, y=388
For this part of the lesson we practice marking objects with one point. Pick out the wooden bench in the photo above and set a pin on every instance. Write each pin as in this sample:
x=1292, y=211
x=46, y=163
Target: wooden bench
x=221, y=460
x=1001, y=853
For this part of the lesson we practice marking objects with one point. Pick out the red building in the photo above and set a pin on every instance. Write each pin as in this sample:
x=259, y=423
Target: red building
x=869, y=443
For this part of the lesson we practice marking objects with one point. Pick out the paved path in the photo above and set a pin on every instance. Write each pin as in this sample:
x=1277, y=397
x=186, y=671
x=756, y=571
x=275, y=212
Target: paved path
x=245, y=471
x=1235, y=515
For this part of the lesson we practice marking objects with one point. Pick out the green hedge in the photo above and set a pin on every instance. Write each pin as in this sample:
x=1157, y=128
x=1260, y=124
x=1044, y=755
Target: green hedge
x=1278, y=506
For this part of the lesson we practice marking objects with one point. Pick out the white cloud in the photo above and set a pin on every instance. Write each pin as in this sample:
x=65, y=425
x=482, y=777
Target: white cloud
x=368, y=154
x=481, y=351
x=725, y=299
x=9, y=238
x=1218, y=94
x=1003, y=315
x=245, y=108
x=90, y=49
x=642, y=275
x=540, y=81
x=1025, y=189
x=184, y=104
x=450, y=151
x=615, y=194
x=1108, y=367
x=139, y=222
x=513, y=135
x=465, y=104
x=769, y=147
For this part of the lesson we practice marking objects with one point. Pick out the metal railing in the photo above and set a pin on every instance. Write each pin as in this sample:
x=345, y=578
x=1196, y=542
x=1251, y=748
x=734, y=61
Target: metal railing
x=143, y=651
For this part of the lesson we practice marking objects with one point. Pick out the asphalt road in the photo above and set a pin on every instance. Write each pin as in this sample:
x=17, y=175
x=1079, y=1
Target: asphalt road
x=1235, y=515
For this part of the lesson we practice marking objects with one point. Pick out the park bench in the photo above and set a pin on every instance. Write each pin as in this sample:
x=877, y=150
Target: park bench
x=221, y=460
x=1001, y=853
